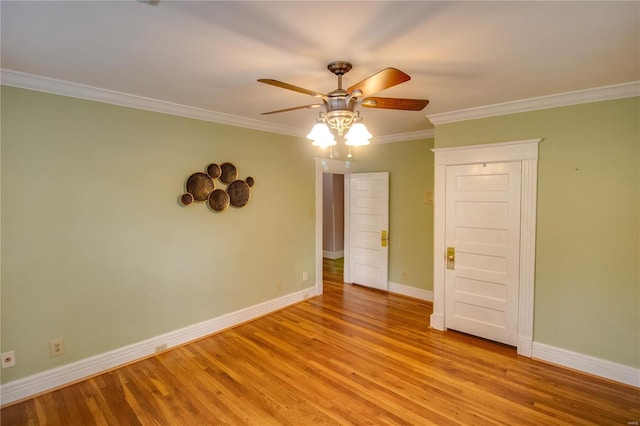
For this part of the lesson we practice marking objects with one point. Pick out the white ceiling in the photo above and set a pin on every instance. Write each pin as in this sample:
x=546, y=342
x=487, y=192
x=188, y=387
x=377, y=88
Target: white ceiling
x=209, y=54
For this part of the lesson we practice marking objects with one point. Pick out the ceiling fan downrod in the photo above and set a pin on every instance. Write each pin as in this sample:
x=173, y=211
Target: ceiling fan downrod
x=339, y=68
x=339, y=103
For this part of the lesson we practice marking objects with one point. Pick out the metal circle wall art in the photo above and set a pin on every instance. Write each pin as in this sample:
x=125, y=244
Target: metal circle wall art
x=239, y=193
x=219, y=200
x=214, y=171
x=186, y=199
x=201, y=187
x=229, y=173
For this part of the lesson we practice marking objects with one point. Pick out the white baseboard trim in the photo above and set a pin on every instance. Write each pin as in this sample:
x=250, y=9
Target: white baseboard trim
x=416, y=293
x=524, y=346
x=587, y=364
x=333, y=254
x=436, y=321
x=75, y=371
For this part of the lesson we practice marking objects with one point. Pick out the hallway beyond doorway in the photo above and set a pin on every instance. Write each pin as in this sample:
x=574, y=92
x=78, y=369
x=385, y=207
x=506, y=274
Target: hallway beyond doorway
x=333, y=270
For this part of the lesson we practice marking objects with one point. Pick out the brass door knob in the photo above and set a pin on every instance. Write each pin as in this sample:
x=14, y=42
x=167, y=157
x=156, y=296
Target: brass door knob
x=451, y=258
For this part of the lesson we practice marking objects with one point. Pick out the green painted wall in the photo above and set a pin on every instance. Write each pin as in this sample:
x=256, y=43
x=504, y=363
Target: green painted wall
x=96, y=247
x=587, y=285
x=410, y=167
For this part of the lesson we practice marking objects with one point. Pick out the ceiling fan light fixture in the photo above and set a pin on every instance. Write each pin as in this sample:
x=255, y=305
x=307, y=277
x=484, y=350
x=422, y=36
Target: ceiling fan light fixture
x=339, y=120
x=358, y=135
x=324, y=143
x=321, y=135
x=340, y=114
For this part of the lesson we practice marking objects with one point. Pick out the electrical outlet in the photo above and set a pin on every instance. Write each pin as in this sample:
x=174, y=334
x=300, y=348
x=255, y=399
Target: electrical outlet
x=305, y=276
x=8, y=359
x=277, y=287
x=56, y=347
x=405, y=276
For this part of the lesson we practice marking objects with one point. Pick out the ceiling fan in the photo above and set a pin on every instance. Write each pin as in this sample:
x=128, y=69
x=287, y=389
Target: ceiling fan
x=340, y=104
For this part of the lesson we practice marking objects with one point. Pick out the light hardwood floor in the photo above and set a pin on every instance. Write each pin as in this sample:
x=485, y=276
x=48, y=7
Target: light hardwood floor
x=352, y=356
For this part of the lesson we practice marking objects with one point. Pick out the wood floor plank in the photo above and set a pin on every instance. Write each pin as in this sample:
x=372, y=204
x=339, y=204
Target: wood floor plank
x=353, y=356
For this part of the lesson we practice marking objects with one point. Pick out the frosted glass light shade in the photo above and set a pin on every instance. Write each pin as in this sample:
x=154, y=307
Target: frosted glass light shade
x=323, y=143
x=321, y=135
x=358, y=135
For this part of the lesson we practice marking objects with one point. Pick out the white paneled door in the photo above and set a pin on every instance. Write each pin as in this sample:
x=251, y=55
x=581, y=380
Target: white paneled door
x=482, y=234
x=368, y=261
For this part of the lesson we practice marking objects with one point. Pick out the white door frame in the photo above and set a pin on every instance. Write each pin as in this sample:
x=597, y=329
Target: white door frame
x=326, y=165
x=525, y=151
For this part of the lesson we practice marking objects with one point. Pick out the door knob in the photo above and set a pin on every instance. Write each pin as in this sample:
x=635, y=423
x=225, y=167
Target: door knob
x=451, y=258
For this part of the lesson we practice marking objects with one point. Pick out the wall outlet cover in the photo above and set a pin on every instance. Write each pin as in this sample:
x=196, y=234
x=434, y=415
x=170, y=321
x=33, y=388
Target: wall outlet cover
x=56, y=347
x=8, y=359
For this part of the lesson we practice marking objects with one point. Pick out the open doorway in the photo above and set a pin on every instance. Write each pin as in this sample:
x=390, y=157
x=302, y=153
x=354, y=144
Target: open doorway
x=333, y=227
x=330, y=166
x=367, y=193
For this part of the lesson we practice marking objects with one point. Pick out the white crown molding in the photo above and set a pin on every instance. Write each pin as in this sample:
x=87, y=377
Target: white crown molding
x=587, y=364
x=66, y=88
x=81, y=91
x=404, y=137
x=51, y=379
x=616, y=91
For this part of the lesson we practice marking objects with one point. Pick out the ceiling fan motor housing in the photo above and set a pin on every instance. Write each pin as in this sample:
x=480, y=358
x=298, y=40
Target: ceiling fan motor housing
x=339, y=67
x=340, y=107
x=338, y=99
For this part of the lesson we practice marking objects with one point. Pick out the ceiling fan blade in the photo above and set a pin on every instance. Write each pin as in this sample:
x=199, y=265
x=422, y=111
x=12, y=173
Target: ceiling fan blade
x=384, y=79
x=291, y=87
x=395, y=103
x=312, y=106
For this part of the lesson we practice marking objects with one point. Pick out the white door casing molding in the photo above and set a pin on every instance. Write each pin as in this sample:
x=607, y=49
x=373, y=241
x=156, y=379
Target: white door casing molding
x=525, y=151
x=327, y=165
